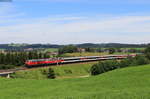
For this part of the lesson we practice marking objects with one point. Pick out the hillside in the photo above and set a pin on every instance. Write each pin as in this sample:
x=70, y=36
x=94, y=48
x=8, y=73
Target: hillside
x=127, y=83
x=110, y=45
x=62, y=71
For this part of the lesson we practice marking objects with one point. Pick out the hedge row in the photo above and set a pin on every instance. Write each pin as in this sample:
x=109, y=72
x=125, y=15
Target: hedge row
x=110, y=65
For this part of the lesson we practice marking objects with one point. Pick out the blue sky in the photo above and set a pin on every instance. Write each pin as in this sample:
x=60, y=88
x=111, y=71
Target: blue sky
x=75, y=21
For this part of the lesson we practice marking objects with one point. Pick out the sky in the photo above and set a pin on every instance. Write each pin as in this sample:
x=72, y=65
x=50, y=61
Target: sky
x=75, y=21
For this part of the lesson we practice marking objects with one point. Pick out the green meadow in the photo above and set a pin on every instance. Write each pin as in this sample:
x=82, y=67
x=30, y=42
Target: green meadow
x=127, y=83
x=51, y=50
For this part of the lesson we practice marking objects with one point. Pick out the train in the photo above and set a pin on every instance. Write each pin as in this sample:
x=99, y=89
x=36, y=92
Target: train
x=57, y=61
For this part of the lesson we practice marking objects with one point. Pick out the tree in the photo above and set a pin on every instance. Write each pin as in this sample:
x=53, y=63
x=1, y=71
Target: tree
x=147, y=52
x=111, y=50
x=88, y=49
x=51, y=73
x=99, y=50
x=103, y=67
x=68, y=49
x=15, y=58
x=95, y=70
x=40, y=55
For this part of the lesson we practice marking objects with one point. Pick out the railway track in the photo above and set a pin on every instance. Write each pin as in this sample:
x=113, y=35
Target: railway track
x=13, y=70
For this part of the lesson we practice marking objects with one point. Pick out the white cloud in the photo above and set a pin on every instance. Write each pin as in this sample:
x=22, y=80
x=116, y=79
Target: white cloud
x=127, y=29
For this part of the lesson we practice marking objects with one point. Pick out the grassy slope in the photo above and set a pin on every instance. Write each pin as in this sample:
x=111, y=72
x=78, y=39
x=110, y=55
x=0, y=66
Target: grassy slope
x=62, y=71
x=127, y=83
x=80, y=69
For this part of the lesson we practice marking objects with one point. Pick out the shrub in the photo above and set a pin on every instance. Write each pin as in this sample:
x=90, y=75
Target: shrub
x=68, y=71
x=51, y=73
x=103, y=67
x=106, y=66
x=96, y=69
x=67, y=49
x=147, y=52
x=44, y=72
x=111, y=65
x=140, y=60
x=125, y=63
x=111, y=50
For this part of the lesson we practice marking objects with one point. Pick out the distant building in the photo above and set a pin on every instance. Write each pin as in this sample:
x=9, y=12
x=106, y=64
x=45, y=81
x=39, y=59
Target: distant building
x=81, y=50
x=125, y=50
x=2, y=51
x=29, y=49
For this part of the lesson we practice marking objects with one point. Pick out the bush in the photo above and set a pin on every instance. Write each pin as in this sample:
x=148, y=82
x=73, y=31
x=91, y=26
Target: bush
x=125, y=63
x=103, y=67
x=106, y=66
x=95, y=69
x=51, y=74
x=111, y=50
x=68, y=71
x=147, y=52
x=140, y=60
x=68, y=49
x=111, y=65
x=44, y=72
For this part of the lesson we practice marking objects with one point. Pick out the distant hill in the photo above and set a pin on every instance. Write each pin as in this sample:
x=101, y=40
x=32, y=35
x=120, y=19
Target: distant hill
x=84, y=45
x=109, y=45
x=26, y=46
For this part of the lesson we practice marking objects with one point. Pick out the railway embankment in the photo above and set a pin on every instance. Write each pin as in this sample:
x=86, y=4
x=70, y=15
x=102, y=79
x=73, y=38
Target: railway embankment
x=76, y=70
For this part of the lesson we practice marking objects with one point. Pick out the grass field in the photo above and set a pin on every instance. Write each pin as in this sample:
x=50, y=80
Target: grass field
x=51, y=50
x=62, y=71
x=134, y=48
x=127, y=83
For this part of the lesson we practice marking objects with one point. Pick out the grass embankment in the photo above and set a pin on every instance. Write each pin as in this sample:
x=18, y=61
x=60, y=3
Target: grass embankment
x=127, y=83
x=62, y=71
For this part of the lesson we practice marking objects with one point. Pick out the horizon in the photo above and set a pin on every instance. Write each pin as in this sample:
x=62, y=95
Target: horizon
x=75, y=21
x=76, y=43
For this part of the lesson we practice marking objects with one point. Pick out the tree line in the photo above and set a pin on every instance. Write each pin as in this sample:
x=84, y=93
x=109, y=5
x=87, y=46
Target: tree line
x=12, y=59
x=72, y=49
